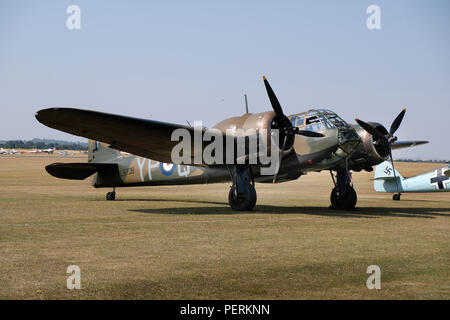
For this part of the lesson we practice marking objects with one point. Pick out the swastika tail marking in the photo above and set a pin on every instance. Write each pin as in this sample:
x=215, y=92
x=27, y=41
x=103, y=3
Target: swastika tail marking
x=388, y=171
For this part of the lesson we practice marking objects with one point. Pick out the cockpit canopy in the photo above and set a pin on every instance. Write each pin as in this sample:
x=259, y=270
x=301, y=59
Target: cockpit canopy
x=318, y=119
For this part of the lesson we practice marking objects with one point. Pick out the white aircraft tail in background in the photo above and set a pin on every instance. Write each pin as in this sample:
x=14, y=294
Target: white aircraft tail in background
x=49, y=150
x=434, y=181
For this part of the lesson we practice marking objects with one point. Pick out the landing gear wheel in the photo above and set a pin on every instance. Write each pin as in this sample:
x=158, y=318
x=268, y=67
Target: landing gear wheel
x=396, y=197
x=345, y=201
x=244, y=201
x=111, y=195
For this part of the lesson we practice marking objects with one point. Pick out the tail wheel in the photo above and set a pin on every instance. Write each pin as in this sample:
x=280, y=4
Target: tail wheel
x=244, y=201
x=111, y=196
x=396, y=197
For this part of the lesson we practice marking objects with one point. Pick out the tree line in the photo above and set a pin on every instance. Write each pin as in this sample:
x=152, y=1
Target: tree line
x=33, y=144
x=425, y=161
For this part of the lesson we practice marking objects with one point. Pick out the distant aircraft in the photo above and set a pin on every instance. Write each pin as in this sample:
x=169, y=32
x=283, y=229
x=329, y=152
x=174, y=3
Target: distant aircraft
x=49, y=150
x=13, y=151
x=387, y=179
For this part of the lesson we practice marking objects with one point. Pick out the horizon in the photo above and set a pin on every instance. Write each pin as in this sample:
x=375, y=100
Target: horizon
x=51, y=140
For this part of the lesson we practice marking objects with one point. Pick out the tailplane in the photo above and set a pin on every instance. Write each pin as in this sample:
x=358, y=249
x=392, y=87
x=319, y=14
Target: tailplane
x=79, y=170
x=101, y=160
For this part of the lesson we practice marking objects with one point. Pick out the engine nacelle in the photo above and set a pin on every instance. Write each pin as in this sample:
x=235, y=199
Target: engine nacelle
x=261, y=124
x=370, y=152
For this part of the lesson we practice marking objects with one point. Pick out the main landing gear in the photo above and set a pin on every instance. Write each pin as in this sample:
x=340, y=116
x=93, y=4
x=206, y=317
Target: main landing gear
x=242, y=195
x=111, y=195
x=343, y=196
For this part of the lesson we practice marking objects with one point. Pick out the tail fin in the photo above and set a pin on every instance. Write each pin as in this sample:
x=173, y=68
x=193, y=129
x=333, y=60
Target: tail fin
x=385, y=171
x=100, y=152
x=384, y=180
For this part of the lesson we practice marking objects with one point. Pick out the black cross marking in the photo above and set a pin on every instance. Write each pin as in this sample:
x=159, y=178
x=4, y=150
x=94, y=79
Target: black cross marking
x=439, y=179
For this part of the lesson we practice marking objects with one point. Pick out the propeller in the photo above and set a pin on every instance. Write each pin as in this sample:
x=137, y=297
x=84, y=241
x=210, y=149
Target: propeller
x=385, y=140
x=287, y=131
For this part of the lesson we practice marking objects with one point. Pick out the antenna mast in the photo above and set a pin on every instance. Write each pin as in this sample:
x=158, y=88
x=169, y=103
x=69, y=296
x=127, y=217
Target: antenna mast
x=246, y=103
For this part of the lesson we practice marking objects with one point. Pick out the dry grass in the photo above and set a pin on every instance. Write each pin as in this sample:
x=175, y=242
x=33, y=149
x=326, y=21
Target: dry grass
x=185, y=243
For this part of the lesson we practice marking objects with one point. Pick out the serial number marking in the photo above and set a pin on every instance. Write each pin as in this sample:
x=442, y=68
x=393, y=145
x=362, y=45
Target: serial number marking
x=127, y=171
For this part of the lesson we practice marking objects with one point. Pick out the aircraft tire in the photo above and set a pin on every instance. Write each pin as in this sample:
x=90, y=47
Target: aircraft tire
x=111, y=196
x=253, y=197
x=347, y=202
x=246, y=201
x=396, y=197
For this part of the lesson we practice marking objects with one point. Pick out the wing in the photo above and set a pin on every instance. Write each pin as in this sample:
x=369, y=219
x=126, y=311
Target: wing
x=406, y=144
x=145, y=138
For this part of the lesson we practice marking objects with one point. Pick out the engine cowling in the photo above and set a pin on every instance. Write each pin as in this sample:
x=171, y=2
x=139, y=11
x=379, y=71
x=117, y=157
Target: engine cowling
x=261, y=124
x=370, y=152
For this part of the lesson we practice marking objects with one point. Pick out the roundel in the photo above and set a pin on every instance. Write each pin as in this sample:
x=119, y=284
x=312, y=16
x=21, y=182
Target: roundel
x=167, y=168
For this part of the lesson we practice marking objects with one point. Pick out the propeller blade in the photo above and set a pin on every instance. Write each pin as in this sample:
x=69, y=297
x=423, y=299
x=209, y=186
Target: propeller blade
x=280, y=154
x=374, y=132
x=273, y=100
x=396, y=124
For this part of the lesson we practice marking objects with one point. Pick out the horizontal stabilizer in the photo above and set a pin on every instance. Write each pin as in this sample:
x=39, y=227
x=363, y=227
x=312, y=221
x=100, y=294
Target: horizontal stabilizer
x=78, y=171
x=385, y=178
x=406, y=144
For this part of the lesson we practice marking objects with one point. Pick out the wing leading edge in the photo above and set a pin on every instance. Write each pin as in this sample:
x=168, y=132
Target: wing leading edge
x=407, y=144
x=146, y=138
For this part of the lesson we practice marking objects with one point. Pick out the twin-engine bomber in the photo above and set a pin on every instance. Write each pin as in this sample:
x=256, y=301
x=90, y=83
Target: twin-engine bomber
x=310, y=141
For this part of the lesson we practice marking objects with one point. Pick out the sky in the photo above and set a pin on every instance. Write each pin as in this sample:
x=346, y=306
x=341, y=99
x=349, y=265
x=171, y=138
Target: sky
x=179, y=61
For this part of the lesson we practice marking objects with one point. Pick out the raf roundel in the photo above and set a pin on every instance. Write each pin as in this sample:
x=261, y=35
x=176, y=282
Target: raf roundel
x=167, y=168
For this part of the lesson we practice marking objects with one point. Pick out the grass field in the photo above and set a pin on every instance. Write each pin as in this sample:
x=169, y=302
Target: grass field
x=185, y=243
